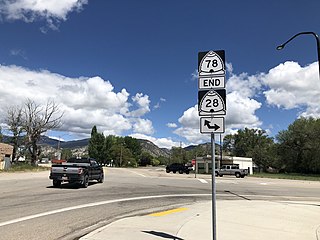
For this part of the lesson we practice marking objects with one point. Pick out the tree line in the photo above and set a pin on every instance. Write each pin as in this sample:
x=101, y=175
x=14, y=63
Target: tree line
x=295, y=150
x=127, y=151
x=119, y=151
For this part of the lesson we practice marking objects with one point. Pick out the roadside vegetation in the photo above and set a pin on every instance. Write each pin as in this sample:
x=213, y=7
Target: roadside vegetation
x=25, y=167
x=293, y=151
x=290, y=176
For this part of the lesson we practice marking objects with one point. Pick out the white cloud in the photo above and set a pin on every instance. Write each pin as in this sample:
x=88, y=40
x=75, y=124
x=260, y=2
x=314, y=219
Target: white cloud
x=190, y=118
x=84, y=101
x=143, y=126
x=192, y=135
x=172, y=125
x=159, y=103
x=292, y=86
x=241, y=111
x=244, y=84
x=18, y=53
x=190, y=124
x=34, y=10
x=143, y=102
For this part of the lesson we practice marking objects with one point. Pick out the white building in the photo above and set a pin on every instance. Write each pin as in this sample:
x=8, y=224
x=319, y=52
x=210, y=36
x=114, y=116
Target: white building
x=203, y=164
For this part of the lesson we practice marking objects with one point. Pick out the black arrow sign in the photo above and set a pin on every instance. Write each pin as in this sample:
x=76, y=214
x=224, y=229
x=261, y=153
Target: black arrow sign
x=215, y=126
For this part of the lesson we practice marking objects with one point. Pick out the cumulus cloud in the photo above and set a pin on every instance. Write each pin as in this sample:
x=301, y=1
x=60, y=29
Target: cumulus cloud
x=172, y=125
x=86, y=101
x=142, y=101
x=143, y=126
x=293, y=86
x=245, y=85
x=241, y=111
x=190, y=124
x=33, y=10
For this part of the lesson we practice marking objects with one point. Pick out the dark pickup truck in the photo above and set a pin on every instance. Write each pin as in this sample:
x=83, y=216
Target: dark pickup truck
x=178, y=167
x=76, y=170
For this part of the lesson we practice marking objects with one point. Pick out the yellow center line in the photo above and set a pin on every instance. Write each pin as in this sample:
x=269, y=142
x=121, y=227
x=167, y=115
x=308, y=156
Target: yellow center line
x=159, y=214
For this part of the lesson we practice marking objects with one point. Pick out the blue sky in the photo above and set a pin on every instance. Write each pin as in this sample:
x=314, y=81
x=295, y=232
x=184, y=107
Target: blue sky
x=129, y=67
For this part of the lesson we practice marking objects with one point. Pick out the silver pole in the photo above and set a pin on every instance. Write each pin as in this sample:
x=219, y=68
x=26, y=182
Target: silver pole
x=213, y=187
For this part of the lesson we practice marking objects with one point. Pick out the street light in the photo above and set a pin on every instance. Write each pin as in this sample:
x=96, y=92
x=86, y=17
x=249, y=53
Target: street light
x=280, y=47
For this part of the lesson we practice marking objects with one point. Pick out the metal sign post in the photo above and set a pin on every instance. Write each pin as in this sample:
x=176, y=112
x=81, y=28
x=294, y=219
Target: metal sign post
x=212, y=107
x=214, y=227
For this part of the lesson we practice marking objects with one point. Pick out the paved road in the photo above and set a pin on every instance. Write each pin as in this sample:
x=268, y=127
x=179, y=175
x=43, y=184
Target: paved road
x=32, y=209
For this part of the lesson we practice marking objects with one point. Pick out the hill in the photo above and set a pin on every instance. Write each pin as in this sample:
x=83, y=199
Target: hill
x=81, y=145
x=51, y=144
x=154, y=150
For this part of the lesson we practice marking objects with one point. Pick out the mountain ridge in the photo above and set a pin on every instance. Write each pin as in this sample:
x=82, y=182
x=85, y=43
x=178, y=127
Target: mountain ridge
x=81, y=144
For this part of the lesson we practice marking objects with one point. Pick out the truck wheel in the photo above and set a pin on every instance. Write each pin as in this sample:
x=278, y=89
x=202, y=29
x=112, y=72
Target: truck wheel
x=167, y=170
x=85, y=182
x=174, y=171
x=187, y=172
x=56, y=183
x=181, y=171
x=221, y=175
x=216, y=174
x=238, y=175
x=101, y=178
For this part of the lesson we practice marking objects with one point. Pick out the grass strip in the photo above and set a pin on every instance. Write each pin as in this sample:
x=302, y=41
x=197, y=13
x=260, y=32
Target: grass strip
x=25, y=167
x=290, y=176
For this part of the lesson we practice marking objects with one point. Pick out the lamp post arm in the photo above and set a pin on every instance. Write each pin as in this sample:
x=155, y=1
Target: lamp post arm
x=301, y=33
x=304, y=33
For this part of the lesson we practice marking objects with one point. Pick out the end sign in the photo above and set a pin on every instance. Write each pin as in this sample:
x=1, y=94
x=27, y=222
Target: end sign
x=212, y=82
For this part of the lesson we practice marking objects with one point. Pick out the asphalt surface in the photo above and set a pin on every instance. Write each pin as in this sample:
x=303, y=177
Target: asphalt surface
x=32, y=209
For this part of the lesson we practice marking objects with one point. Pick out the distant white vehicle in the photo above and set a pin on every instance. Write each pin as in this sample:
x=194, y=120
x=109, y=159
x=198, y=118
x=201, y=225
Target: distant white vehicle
x=231, y=170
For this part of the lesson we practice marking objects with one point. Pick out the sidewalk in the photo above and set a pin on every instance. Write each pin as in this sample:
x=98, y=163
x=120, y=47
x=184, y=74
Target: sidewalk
x=236, y=219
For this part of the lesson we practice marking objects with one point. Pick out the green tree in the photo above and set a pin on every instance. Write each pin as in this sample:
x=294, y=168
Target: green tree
x=96, y=148
x=145, y=159
x=108, y=143
x=122, y=156
x=299, y=146
x=178, y=155
x=66, y=153
x=134, y=146
x=155, y=162
x=163, y=160
x=252, y=143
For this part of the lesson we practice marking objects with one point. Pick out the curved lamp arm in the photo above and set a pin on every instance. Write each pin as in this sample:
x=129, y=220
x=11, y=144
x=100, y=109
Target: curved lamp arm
x=280, y=47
